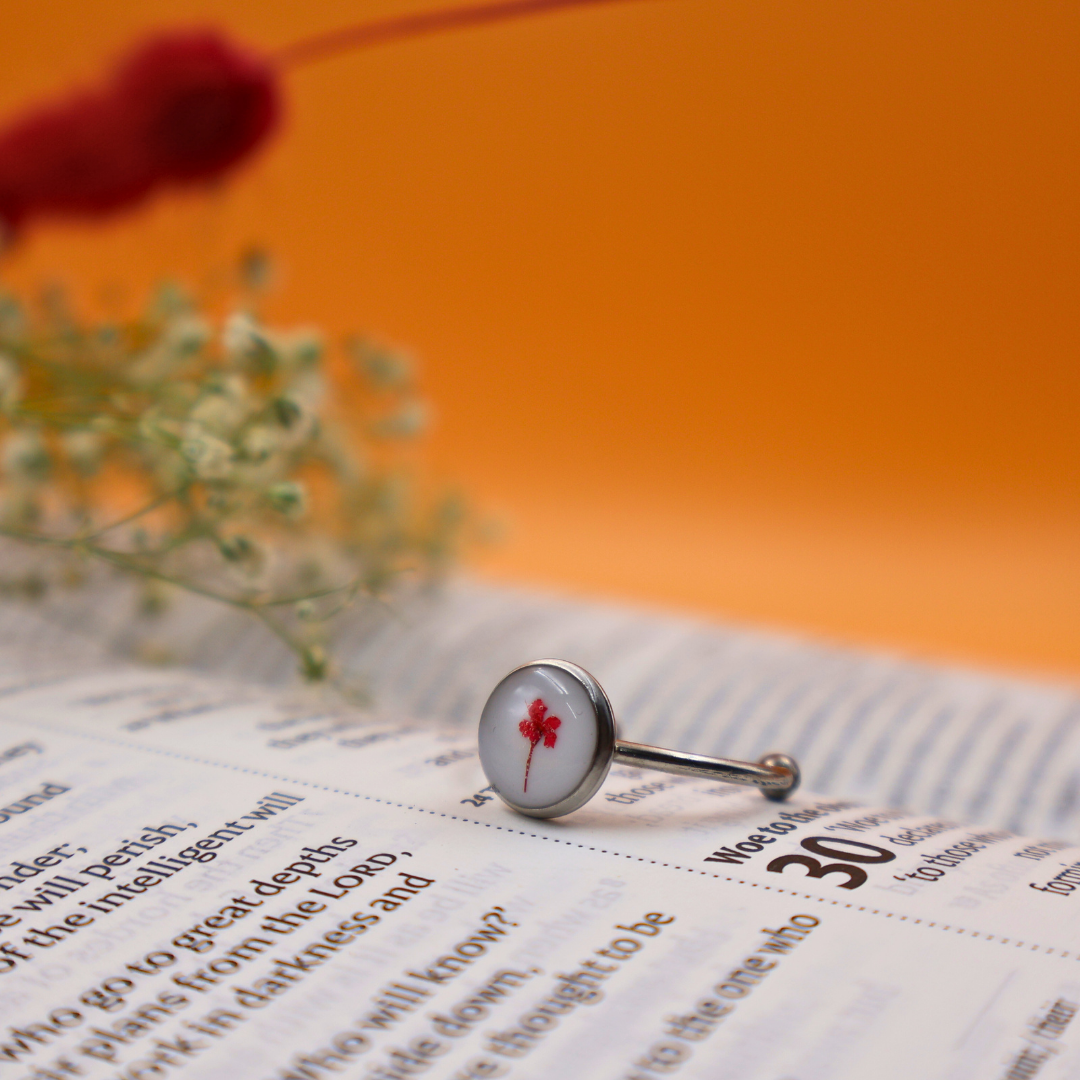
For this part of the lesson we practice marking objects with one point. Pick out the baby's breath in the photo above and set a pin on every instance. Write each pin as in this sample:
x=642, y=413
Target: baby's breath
x=204, y=455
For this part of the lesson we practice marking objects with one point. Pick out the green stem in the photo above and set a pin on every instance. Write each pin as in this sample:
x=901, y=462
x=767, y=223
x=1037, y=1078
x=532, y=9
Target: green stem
x=280, y=631
x=352, y=587
x=131, y=564
x=161, y=500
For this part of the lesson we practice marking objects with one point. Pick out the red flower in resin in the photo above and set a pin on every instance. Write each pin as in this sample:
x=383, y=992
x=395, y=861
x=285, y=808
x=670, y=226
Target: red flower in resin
x=538, y=726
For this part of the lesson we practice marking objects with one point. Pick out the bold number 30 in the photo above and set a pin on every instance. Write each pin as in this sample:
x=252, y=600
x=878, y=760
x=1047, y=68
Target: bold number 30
x=856, y=875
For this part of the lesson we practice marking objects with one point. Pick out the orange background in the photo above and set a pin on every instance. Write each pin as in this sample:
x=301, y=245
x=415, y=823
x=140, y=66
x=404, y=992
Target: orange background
x=763, y=308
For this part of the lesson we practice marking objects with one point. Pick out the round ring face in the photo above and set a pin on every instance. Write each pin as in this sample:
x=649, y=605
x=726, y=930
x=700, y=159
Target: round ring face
x=546, y=739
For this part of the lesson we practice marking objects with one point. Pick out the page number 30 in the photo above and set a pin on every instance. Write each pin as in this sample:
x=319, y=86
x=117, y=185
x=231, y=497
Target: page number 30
x=820, y=845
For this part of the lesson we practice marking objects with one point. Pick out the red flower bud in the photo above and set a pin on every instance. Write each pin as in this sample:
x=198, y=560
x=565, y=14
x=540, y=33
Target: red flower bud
x=183, y=107
x=198, y=104
x=71, y=157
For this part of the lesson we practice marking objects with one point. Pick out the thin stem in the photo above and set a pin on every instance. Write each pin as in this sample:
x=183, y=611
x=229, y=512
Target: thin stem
x=167, y=496
x=346, y=603
x=417, y=24
x=130, y=564
x=126, y=562
x=123, y=561
x=276, y=628
x=528, y=763
x=318, y=594
x=244, y=605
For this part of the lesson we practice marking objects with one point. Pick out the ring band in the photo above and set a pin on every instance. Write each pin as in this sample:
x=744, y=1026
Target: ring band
x=776, y=774
x=547, y=739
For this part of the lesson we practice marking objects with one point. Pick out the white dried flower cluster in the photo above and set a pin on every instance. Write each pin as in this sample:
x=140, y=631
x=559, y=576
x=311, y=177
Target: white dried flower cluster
x=211, y=458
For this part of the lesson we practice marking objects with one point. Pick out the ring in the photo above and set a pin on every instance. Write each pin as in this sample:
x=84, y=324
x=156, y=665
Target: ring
x=547, y=739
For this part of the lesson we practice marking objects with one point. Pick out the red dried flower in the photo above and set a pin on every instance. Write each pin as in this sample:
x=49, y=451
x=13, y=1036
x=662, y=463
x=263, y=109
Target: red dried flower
x=69, y=158
x=198, y=104
x=183, y=107
x=536, y=727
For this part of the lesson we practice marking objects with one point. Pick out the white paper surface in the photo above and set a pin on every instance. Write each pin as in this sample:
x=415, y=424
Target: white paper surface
x=333, y=897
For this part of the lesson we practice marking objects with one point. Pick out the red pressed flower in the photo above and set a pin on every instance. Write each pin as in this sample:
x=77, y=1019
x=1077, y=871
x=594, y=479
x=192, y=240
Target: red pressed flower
x=536, y=727
x=183, y=107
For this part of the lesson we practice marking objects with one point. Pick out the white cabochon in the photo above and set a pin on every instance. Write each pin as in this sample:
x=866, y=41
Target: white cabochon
x=555, y=772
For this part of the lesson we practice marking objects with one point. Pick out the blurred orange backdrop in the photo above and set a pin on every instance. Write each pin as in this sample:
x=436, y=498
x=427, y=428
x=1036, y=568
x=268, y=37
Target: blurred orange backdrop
x=760, y=308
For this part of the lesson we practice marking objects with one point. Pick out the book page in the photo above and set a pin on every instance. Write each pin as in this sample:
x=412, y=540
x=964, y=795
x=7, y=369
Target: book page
x=200, y=880
x=967, y=745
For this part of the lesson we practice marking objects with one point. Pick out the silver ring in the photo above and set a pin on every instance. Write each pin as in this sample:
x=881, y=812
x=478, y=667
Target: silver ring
x=547, y=739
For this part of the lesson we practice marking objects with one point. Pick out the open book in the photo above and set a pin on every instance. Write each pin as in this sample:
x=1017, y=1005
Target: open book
x=202, y=875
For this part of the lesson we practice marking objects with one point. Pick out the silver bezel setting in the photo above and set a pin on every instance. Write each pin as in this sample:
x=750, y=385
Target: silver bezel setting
x=605, y=742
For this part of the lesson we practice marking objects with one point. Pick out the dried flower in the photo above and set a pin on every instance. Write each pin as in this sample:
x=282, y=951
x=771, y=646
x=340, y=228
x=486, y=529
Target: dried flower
x=536, y=726
x=210, y=458
x=225, y=434
x=25, y=456
x=84, y=450
x=184, y=107
x=288, y=497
